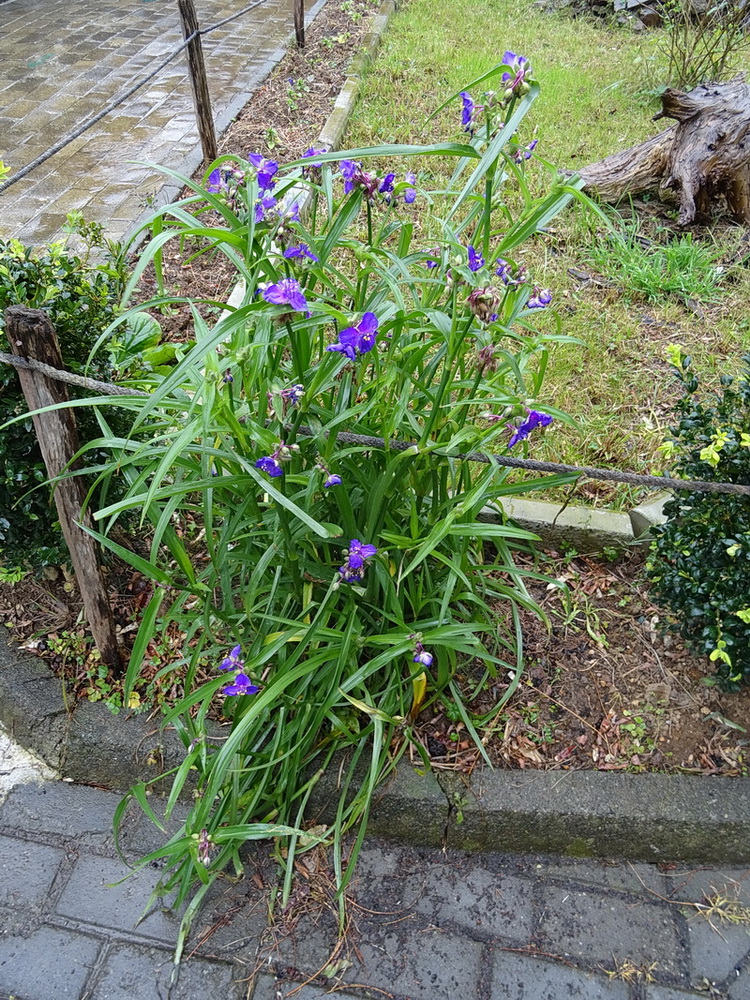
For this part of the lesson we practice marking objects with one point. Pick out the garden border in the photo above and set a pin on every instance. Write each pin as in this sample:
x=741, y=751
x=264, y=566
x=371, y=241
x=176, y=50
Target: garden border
x=637, y=817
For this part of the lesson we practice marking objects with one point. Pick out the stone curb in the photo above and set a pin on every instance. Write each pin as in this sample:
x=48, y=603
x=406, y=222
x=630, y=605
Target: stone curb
x=646, y=817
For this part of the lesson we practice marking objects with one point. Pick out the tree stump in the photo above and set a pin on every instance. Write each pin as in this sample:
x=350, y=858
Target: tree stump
x=704, y=159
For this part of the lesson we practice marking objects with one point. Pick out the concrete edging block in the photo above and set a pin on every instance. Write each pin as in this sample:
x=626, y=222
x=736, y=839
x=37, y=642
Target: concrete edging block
x=639, y=817
x=582, y=528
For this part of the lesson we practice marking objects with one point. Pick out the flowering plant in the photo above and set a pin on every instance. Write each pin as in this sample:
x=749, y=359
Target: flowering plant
x=342, y=573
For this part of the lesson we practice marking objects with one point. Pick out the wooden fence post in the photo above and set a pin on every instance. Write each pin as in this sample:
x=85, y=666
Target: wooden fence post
x=299, y=22
x=32, y=336
x=198, y=80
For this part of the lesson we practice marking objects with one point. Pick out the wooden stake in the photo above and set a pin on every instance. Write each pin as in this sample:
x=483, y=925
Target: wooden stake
x=32, y=336
x=198, y=80
x=299, y=22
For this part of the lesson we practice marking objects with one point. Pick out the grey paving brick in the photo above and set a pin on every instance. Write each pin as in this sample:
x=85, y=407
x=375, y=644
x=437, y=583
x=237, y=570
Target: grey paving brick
x=27, y=871
x=697, y=884
x=739, y=987
x=137, y=973
x=98, y=47
x=716, y=951
x=469, y=896
x=424, y=964
x=669, y=993
x=92, y=896
x=522, y=977
x=72, y=812
x=48, y=964
x=269, y=988
x=623, y=876
x=599, y=928
x=232, y=918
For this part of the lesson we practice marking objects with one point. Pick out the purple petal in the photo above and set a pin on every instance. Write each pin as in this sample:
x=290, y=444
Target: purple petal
x=368, y=324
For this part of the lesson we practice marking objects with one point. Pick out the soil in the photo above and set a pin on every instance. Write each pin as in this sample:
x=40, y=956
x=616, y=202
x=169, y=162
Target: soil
x=607, y=687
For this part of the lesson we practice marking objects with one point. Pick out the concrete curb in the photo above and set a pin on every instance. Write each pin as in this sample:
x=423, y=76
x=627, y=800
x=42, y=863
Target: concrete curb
x=645, y=817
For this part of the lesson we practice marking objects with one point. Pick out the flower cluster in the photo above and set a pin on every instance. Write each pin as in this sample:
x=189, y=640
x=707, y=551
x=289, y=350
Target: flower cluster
x=484, y=303
x=516, y=80
x=359, y=339
x=242, y=683
x=271, y=464
x=525, y=154
x=331, y=479
x=354, y=177
x=504, y=271
x=540, y=299
x=421, y=655
x=533, y=420
x=354, y=567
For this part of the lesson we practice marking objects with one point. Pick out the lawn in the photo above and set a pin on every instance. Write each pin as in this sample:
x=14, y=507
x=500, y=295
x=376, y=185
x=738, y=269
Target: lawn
x=595, y=101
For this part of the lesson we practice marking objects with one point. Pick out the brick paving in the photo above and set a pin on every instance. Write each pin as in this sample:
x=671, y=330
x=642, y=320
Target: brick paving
x=61, y=62
x=425, y=924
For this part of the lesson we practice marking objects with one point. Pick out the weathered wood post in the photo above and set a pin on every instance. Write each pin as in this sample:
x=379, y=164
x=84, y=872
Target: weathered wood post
x=299, y=22
x=31, y=335
x=198, y=80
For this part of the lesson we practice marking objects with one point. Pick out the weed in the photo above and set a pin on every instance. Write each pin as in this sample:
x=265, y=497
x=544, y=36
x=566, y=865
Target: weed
x=646, y=270
x=296, y=92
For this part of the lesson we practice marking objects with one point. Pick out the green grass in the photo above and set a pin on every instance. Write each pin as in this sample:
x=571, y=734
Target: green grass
x=616, y=382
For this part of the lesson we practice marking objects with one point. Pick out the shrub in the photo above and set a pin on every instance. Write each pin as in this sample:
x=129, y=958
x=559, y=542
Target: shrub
x=699, y=565
x=704, y=40
x=80, y=300
x=351, y=579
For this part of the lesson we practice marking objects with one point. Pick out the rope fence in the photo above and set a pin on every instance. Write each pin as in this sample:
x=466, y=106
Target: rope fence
x=590, y=472
x=190, y=40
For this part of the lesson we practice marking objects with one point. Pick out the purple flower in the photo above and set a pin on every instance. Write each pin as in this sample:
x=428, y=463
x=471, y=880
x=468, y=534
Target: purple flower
x=233, y=661
x=411, y=193
x=520, y=68
x=286, y=292
x=216, y=181
x=265, y=170
x=332, y=480
x=468, y=112
x=476, y=260
x=525, y=154
x=504, y=270
x=270, y=465
x=534, y=419
x=359, y=339
x=288, y=213
x=386, y=185
x=293, y=394
x=242, y=685
x=228, y=377
x=422, y=656
x=312, y=151
x=263, y=206
x=354, y=566
x=349, y=170
x=540, y=299
x=301, y=250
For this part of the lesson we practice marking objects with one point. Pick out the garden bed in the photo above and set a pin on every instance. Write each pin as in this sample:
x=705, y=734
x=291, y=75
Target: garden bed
x=607, y=689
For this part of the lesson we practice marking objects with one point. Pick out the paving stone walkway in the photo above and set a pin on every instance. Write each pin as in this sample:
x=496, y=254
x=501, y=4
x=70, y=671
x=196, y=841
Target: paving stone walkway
x=425, y=925
x=61, y=62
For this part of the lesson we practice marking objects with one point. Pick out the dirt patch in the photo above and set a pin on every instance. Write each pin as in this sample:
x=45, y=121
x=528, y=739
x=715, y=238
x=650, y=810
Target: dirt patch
x=606, y=687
